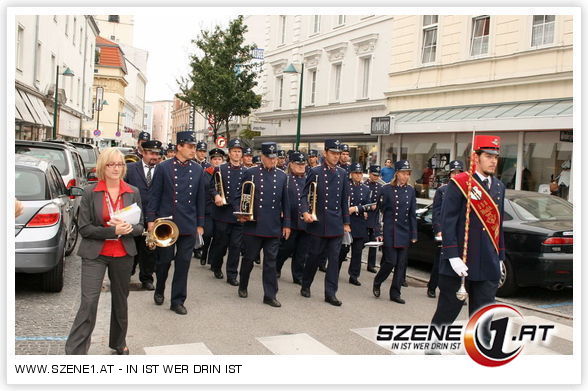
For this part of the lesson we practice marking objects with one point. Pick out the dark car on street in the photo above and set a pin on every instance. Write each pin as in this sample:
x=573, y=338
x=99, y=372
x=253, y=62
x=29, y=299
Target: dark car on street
x=89, y=154
x=538, y=234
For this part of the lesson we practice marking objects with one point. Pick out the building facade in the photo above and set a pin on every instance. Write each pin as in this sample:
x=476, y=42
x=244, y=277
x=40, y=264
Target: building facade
x=117, y=28
x=47, y=46
x=161, y=122
x=346, y=63
x=507, y=75
x=180, y=121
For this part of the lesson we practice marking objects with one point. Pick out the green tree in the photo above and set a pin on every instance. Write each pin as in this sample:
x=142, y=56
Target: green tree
x=223, y=75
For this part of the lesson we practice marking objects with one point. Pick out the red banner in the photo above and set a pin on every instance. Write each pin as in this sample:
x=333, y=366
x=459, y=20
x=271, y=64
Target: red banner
x=483, y=204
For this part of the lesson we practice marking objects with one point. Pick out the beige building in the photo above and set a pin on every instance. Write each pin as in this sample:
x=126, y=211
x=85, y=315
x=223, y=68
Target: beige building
x=508, y=75
x=161, y=120
x=116, y=28
x=180, y=117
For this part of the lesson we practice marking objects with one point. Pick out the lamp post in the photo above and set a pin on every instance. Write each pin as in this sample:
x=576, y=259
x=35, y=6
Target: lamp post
x=67, y=72
x=292, y=69
x=99, y=109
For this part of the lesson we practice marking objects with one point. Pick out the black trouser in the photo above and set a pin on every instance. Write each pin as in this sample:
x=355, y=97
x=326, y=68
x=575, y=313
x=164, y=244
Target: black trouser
x=317, y=247
x=207, y=237
x=356, y=250
x=270, y=246
x=371, y=261
x=181, y=253
x=119, y=273
x=394, y=258
x=145, y=258
x=434, y=279
x=480, y=294
x=296, y=247
x=226, y=235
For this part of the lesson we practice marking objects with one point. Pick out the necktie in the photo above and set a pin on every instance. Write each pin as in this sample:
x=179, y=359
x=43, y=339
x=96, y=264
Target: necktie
x=485, y=182
x=148, y=177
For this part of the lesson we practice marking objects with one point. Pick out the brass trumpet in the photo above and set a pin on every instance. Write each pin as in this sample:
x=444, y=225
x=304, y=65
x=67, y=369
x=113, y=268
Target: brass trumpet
x=218, y=185
x=312, y=198
x=165, y=233
x=131, y=158
x=247, y=199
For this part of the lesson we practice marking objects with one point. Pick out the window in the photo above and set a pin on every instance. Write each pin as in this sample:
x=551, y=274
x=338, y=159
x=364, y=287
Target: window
x=114, y=18
x=66, y=25
x=279, y=91
x=316, y=24
x=429, y=38
x=79, y=92
x=480, y=34
x=282, y=28
x=75, y=30
x=113, y=38
x=340, y=19
x=19, y=47
x=543, y=26
x=336, y=82
x=365, y=76
x=71, y=86
x=38, y=53
x=312, y=74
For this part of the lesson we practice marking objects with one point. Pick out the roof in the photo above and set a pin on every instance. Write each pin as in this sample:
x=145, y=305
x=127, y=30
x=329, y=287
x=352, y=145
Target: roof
x=111, y=55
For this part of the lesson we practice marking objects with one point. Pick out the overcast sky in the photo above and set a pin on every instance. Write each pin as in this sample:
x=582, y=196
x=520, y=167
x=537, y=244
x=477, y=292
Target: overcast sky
x=167, y=37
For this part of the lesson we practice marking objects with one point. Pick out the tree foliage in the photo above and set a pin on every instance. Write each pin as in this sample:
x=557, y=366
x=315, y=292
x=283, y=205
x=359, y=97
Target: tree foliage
x=223, y=76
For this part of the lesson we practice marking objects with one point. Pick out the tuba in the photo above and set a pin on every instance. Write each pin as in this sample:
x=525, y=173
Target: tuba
x=131, y=158
x=165, y=233
x=218, y=185
x=247, y=199
x=312, y=199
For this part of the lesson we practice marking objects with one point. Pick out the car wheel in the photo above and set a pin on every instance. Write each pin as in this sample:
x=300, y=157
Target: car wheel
x=72, y=238
x=52, y=281
x=507, y=284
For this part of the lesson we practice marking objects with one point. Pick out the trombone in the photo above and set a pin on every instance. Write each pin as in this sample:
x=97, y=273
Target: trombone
x=218, y=185
x=247, y=200
x=165, y=233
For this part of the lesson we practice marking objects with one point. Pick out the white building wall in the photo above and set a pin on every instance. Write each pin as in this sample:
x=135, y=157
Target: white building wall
x=121, y=32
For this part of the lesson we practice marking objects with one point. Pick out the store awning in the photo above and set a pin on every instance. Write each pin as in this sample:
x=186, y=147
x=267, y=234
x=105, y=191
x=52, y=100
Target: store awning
x=313, y=138
x=31, y=109
x=528, y=115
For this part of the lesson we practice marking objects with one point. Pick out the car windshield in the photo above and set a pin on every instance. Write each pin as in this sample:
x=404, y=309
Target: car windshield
x=55, y=156
x=29, y=184
x=542, y=207
x=87, y=154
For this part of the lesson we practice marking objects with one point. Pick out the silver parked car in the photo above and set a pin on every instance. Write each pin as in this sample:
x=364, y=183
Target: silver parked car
x=43, y=231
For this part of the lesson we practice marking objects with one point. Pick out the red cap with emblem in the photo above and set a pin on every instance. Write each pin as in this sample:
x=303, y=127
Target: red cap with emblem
x=488, y=144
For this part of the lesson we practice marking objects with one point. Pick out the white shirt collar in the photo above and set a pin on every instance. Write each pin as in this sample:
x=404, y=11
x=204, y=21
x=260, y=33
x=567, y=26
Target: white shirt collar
x=482, y=177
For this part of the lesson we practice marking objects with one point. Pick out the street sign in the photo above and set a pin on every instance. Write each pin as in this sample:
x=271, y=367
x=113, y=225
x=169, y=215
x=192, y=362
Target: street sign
x=117, y=134
x=380, y=125
x=221, y=142
x=97, y=132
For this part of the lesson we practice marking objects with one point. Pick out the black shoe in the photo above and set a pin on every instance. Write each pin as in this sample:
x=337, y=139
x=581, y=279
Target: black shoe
x=376, y=290
x=158, y=298
x=333, y=301
x=404, y=284
x=305, y=292
x=257, y=261
x=218, y=274
x=272, y=302
x=202, y=261
x=278, y=274
x=371, y=269
x=232, y=281
x=197, y=253
x=323, y=269
x=148, y=286
x=431, y=293
x=297, y=281
x=398, y=300
x=354, y=281
x=122, y=351
x=179, y=309
x=242, y=293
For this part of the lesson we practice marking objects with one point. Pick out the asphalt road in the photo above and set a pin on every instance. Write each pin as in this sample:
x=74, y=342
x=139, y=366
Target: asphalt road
x=219, y=322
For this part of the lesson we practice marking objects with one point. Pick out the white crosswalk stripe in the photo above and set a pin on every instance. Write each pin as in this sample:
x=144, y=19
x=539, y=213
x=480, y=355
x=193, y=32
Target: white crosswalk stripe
x=294, y=344
x=181, y=349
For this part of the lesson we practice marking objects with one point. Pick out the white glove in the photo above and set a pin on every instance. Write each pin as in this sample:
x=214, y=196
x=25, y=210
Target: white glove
x=458, y=266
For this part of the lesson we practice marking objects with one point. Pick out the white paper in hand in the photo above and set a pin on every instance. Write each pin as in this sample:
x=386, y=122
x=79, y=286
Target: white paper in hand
x=131, y=214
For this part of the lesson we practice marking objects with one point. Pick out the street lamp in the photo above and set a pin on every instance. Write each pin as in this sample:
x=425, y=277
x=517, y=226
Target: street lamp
x=67, y=72
x=292, y=69
x=99, y=109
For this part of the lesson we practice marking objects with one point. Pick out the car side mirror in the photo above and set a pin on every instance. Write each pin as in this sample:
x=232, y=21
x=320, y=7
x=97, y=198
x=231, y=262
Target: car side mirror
x=75, y=191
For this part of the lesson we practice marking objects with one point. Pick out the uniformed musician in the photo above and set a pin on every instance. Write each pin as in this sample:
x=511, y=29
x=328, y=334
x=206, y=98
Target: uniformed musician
x=177, y=191
x=227, y=230
x=332, y=201
x=170, y=152
x=143, y=136
x=486, y=236
x=140, y=174
x=373, y=221
x=398, y=206
x=217, y=157
x=271, y=221
x=282, y=165
x=345, y=158
x=455, y=167
x=359, y=201
x=256, y=160
x=201, y=151
x=295, y=245
x=248, y=157
x=313, y=157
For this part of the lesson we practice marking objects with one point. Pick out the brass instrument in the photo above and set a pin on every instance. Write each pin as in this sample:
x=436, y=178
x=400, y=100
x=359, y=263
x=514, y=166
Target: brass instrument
x=131, y=158
x=312, y=199
x=218, y=185
x=165, y=233
x=247, y=199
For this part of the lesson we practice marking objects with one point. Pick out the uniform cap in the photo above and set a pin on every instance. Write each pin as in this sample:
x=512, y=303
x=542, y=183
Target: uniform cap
x=488, y=144
x=455, y=165
x=333, y=144
x=313, y=152
x=247, y=151
x=235, y=143
x=152, y=145
x=356, y=167
x=297, y=157
x=186, y=137
x=375, y=169
x=402, y=165
x=144, y=136
x=269, y=149
x=215, y=152
x=344, y=148
x=201, y=146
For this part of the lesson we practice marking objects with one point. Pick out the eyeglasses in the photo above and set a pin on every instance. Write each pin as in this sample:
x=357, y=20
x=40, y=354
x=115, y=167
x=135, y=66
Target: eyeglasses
x=117, y=165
